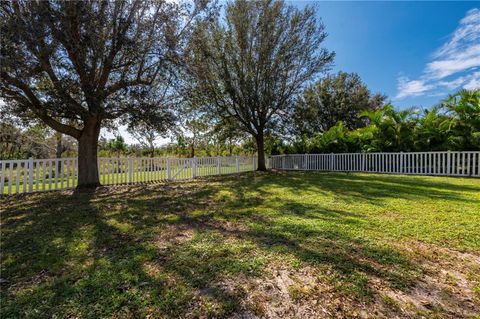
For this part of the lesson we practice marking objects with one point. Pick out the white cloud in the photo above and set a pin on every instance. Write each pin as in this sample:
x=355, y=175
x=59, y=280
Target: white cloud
x=467, y=32
x=453, y=83
x=451, y=63
x=458, y=62
x=473, y=82
x=407, y=87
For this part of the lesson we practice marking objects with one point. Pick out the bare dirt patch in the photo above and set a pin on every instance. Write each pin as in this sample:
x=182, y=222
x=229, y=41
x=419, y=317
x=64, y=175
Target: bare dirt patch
x=445, y=286
x=440, y=292
x=174, y=235
x=287, y=293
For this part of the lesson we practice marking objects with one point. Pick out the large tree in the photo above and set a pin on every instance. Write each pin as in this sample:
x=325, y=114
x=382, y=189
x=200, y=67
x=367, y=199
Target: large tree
x=340, y=97
x=251, y=66
x=80, y=65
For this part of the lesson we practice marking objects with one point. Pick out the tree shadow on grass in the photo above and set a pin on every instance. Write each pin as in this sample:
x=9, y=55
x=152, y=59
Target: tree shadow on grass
x=350, y=257
x=98, y=255
x=353, y=260
x=80, y=260
x=373, y=188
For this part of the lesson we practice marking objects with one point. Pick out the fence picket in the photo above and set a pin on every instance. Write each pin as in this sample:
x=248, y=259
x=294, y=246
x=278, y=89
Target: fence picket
x=25, y=170
x=475, y=164
x=61, y=174
x=17, y=181
x=10, y=177
x=30, y=175
x=468, y=164
x=3, y=169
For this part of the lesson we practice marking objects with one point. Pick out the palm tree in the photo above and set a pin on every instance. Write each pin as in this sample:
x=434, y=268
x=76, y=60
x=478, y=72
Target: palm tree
x=433, y=131
x=394, y=128
x=464, y=108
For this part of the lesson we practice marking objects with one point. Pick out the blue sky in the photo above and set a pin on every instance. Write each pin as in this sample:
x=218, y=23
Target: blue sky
x=415, y=52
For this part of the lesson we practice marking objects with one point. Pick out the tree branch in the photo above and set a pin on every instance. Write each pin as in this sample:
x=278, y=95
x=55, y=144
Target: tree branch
x=33, y=103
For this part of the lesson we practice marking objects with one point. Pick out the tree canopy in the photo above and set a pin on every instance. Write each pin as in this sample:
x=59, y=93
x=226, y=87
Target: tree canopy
x=340, y=97
x=79, y=65
x=252, y=65
x=450, y=125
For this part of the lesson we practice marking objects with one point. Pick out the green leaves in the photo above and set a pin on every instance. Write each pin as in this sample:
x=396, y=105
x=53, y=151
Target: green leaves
x=340, y=97
x=452, y=125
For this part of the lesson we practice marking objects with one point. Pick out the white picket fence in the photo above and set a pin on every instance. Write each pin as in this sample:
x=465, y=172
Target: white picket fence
x=34, y=175
x=415, y=163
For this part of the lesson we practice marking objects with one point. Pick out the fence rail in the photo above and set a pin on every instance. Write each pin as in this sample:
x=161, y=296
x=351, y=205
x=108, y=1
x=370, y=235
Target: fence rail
x=415, y=163
x=34, y=175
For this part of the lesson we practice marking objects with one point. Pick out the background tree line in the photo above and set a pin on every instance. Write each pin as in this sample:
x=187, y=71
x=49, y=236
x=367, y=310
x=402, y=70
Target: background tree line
x=453, y=124
x=248, y=78
x=37, y=141
x=317, y=127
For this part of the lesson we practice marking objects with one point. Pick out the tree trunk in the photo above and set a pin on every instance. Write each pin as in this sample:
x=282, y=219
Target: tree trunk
x=192, y=150
x=87, y=155
x=152, y=148
x=59, y=149
x=260, y=151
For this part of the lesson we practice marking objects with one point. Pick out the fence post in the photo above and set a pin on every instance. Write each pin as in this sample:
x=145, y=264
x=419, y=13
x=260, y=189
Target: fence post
x=468, y=165
x=448, y=163
x=363, y=162
x=3, y=172
x=194, y=167
x=218, y=165
x=30, y=175
x=331, y=161
x=169, y=175
x=305, y=161
x=237, y=167
x=401, y=163
x=130, y=170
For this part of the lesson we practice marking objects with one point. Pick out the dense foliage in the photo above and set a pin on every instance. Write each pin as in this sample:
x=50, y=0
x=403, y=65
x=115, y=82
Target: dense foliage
x=339, y=97
x=451, y=125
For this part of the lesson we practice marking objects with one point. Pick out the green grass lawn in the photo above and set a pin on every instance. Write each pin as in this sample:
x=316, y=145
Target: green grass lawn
x=274, y=245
